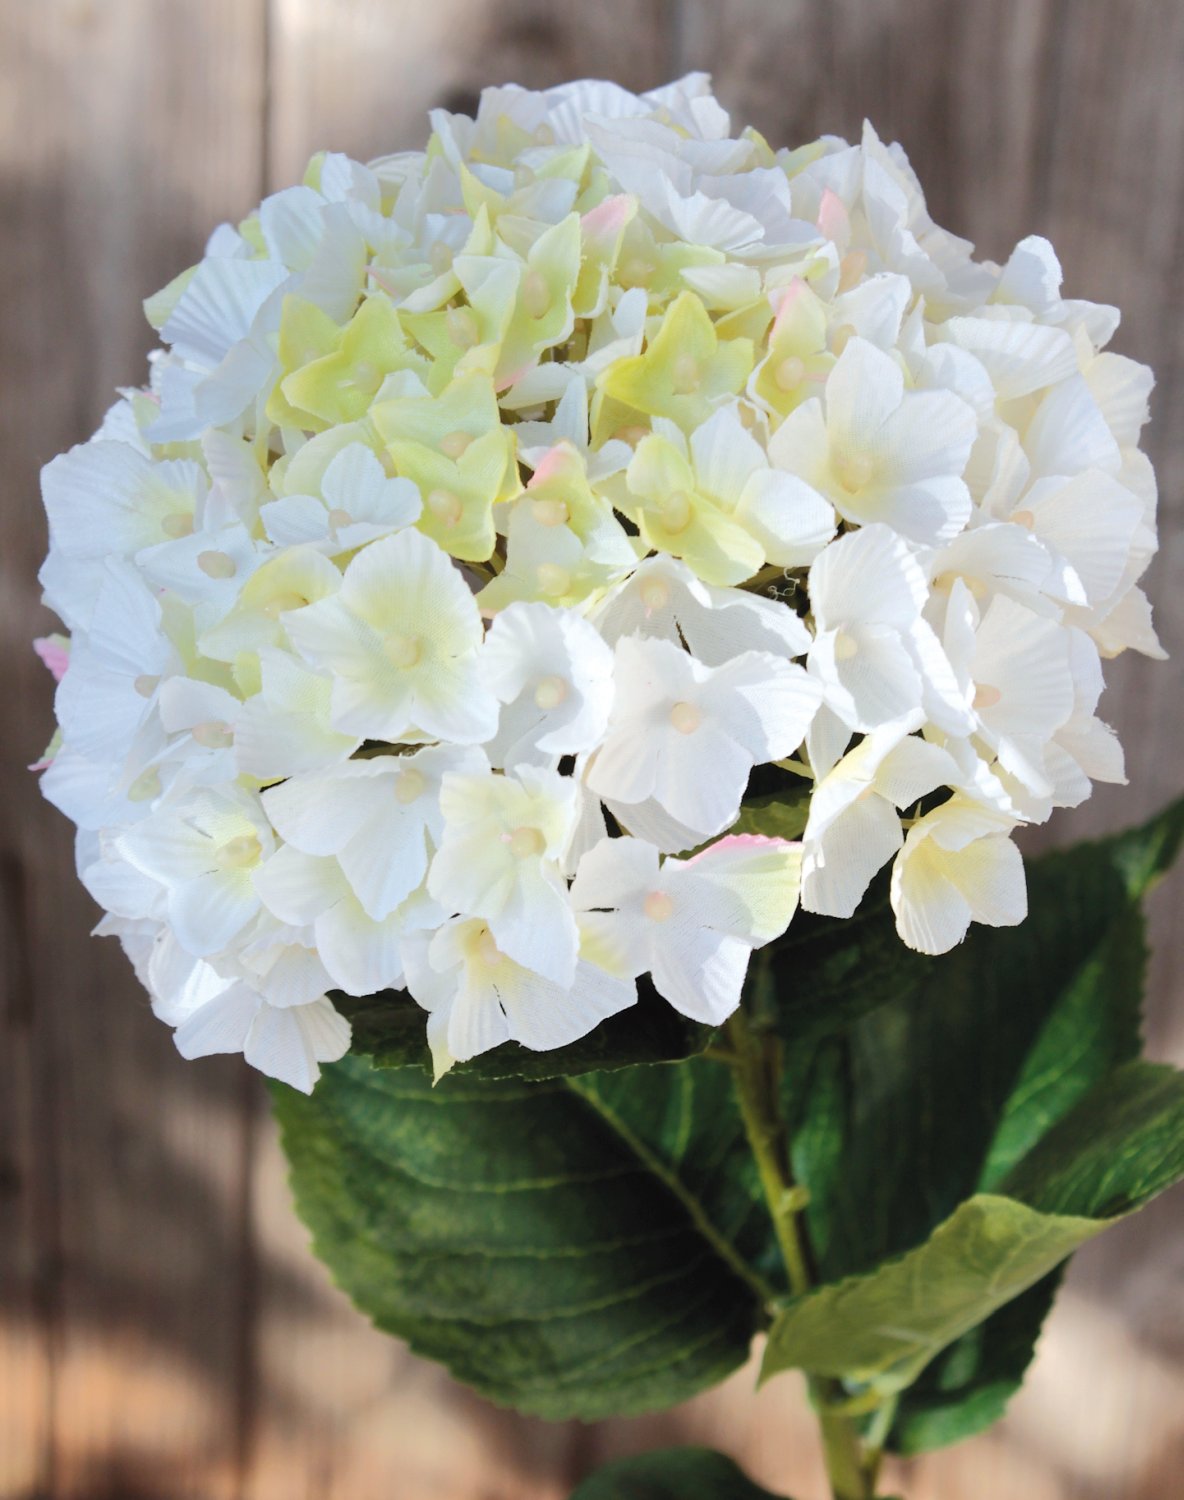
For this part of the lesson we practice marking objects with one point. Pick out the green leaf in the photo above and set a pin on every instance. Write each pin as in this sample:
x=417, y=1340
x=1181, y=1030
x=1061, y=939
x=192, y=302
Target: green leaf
x=671, y=1474
x=781, y=815
x=573, y=1247
x=390, y=1028
x=913, y=1083
x=1122, y=1144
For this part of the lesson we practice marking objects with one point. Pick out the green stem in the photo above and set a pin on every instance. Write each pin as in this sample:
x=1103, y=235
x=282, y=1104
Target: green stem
x=755, y=1059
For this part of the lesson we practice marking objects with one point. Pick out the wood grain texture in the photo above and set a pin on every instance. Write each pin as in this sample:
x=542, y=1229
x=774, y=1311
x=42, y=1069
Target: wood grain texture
x=122, y=128
x=164, y=1331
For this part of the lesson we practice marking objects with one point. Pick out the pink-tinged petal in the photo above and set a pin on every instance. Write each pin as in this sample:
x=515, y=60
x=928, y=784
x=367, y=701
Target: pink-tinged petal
x=549, y=465
x=602, y=224
x=740, y=841
x=54, y=651
x=833, y=219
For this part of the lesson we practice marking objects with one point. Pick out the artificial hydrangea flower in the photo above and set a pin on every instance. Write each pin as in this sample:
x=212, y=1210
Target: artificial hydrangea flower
x=495, y=514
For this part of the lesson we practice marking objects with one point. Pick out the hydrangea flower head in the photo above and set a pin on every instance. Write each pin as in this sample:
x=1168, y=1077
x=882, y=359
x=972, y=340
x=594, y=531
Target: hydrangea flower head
x=498, y=519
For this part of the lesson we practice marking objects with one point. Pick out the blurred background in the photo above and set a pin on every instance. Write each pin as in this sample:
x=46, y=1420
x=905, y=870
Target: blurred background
x=164, y=1331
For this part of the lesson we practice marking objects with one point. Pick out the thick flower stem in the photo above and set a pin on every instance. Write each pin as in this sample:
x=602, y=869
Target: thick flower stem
x=754, y=1058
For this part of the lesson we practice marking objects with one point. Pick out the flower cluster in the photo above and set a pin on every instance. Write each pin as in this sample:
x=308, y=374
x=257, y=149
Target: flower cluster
x=498, y=517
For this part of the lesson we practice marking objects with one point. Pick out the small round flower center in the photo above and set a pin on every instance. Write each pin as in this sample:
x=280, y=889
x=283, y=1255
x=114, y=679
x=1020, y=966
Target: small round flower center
x=525, y=843
x=675, y=511
x=841, y=337
x=145, y=684
x=655, y=594
x=846, y=646
x=239, y=853
x=279, y=604
x=409, y=785
x=363, y=373
x=176, y=525
x=631, y=433
x=553, y=580
x=637, y=271
x=658, y=906
x=789, y=373
x=685, y=375
x=1024, y=518
x=402, y=650
x=453, y=444
x=462, y=327
x=686, y=717
x=339, y=518
x=445, y=506
x=986, y=696
x=217, y=564
x=213, y=734
x=550, y=512
x=855, y=471
x=550, y=692
x=145, y=787
x=536, y=294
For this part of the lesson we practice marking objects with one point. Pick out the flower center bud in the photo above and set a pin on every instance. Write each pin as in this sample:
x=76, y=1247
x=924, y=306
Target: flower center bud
x=686, y=717
x=632, y=433
x=441, y=257
x=280, y=604
x=637, y=270
x=1024, y=518
x=655, y=594
x=402, y=650
x=217, y=564
x=176, y=525
x=240, y=853
x=536, y=295
x=550, y=692
x=840, y=338
x=145, y=787
x=658, y=906
x=846, y=646
x=789, y=374
x=453, y=444
x=553, y=580
x=525, y=843
x=445, y=506
x=550, y=512
x=675, y=511
x=145, y=684
x=213, y=734
x=855, y=471
x=685, y=375
x=409, y=786
x=339, y=518
x=363, y=373
x=462, y=327
x=986, y=696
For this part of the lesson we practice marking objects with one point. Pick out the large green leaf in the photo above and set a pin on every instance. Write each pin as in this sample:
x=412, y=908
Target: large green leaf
x=672, y=1474
x=914, y=1083
x=1120, y=1145
x=391, y=1029
x=597, y=1243
x=573, y=1247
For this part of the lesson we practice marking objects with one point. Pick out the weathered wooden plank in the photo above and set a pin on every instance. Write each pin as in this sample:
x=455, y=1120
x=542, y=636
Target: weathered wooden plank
x=360, y=75
x=128, y=128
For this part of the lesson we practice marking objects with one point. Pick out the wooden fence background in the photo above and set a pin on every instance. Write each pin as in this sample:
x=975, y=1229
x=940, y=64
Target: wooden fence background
x=165, y=1334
